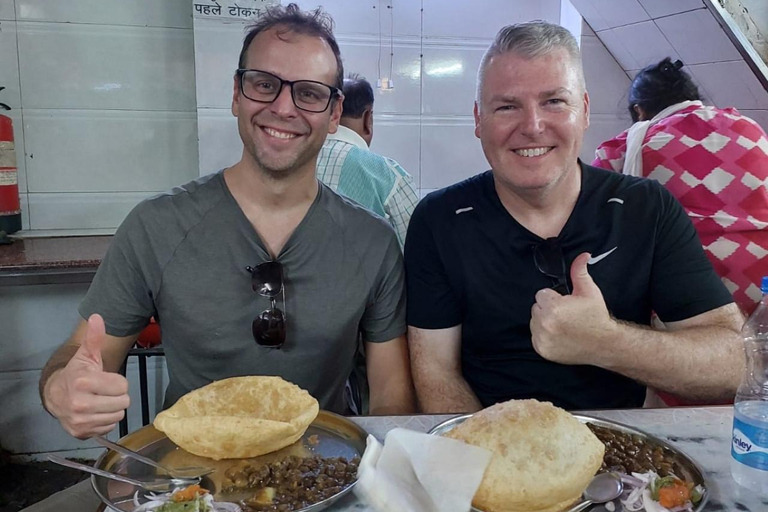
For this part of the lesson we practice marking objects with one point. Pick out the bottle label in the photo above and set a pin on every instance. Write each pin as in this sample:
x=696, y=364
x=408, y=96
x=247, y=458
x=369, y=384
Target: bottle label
x=749, y=444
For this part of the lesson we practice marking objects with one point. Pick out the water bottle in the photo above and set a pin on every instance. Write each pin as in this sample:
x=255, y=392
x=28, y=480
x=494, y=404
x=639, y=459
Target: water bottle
x=749, y=445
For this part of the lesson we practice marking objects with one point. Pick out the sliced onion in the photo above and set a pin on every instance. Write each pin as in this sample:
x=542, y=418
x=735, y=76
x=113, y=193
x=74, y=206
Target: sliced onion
x=226, y=507
x=632, y=480
x=154, y=501
x=647, y=477
x=157, y=501
x=149, y=506
x=637, y=494
x=633, y=502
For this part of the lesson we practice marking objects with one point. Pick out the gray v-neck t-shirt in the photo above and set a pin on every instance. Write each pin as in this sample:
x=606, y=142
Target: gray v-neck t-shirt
x=182, y=256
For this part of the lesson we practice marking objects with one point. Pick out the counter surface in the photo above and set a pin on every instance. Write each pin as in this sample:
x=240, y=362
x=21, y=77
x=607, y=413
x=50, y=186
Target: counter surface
x=51, y=260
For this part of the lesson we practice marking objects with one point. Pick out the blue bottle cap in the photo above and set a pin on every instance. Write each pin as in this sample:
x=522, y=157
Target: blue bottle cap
x=764, y=285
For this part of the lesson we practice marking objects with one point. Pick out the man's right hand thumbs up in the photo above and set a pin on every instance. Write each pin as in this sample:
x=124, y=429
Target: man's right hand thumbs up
x=88, y=356
x=87, y=400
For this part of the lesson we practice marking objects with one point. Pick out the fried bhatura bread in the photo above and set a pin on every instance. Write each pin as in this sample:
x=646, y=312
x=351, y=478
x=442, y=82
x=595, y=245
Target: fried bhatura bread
x=241, y=417
x=543, y=457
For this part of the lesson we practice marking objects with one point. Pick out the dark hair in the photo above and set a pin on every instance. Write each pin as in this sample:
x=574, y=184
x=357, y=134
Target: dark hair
x=358, y=96
x=292, y=19
x=658, y=86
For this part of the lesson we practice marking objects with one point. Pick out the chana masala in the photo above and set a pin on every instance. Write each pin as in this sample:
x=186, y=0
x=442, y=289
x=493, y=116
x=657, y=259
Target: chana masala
x=629, y=453
x=292, y=483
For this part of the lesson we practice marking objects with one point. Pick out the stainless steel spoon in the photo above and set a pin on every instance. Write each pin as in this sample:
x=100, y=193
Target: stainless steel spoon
x=186, y=472
x=602, y=489
x=154, y=485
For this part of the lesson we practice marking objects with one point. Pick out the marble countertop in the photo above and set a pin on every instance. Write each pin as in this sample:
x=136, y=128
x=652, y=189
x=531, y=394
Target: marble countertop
x=51, y=260
x=703, y=433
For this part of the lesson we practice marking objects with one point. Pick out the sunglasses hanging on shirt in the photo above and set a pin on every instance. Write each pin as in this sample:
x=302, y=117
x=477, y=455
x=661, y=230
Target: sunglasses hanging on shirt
x=549, y=260
x=269, y=327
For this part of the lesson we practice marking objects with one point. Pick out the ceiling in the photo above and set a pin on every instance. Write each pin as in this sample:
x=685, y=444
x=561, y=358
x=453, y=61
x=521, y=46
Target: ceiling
x=719, y=58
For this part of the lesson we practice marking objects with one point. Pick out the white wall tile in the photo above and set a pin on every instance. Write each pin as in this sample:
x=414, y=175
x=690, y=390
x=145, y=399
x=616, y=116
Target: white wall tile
x=27, y=428
x=659, y=8
x=28, y=342
x=469, y=20
x=449, y=78
x=97, y=151
x=703, y=92
x=397, y=137
x=9, y=64
x=361, y=56
x=81, y=210
x=571, y=19
x=761, y=116
x=586, y=30
x=26, y=425
x=362, y=16
x=731, y=84
x=166, y=13
x=219, y=144
x=590, y=14
x=440, y=166
x=602, y=127
x=7, y=11
x=606, y=14
x=697, y=37
x=217, y=48
x=106, y=67
x=623, y=43
x=24, y=200
x=607, y=83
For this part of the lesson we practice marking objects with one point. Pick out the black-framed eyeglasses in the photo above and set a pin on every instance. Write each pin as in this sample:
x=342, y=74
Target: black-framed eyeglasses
x=269, y=327
x=308, y=95
x=549, y=259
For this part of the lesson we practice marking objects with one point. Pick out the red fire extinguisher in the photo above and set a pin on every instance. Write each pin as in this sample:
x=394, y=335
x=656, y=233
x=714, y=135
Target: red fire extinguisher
x=10, y=207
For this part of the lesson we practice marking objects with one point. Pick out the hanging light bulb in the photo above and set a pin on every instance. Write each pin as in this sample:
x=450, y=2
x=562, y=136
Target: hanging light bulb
x=386, y=83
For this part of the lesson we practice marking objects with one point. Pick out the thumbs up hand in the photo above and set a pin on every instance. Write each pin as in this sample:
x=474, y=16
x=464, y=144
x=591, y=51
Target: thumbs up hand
x=87, y=400
x=88, y=356
x=570, y=329
x=583, y=285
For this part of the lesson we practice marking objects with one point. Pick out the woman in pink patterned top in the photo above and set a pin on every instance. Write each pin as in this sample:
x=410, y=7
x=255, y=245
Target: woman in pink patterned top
x=714, y=161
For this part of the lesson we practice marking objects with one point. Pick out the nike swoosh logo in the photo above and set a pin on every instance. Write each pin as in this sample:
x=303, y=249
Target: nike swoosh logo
x=595, y=259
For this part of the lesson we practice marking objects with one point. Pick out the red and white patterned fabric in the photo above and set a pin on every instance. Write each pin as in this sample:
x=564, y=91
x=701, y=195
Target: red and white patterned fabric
x=715, y=162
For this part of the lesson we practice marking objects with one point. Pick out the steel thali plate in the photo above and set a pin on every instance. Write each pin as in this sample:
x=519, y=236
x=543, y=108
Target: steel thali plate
x=690, y=470
x=329, y=435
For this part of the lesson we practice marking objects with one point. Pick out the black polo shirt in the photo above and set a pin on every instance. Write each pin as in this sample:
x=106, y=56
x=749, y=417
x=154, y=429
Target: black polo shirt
x=470, y=263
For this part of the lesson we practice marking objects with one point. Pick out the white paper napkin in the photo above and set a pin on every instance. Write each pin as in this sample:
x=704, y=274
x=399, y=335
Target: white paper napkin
x=415, y=472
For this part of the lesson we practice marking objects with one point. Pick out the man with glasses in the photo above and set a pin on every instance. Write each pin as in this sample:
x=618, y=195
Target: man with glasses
x=538, y=278
x=347, y=165
x=255, y=270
